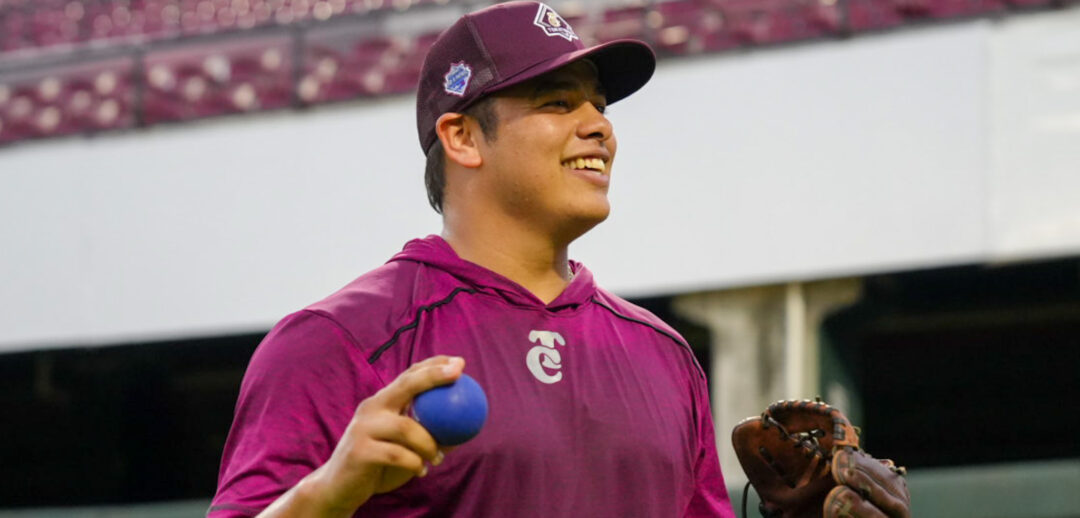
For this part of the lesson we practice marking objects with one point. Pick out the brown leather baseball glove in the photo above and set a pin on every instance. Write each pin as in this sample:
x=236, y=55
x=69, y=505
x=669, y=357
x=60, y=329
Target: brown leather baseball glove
x=804, y=460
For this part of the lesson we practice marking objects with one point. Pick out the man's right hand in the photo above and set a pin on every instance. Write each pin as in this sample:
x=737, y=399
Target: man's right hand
x=381, y=449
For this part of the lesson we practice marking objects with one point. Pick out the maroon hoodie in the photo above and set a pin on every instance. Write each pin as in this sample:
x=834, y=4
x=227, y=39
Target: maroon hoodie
x=597, y=408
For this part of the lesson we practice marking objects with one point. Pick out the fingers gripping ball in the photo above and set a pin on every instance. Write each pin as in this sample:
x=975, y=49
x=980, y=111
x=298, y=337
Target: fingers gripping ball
x=452, y=413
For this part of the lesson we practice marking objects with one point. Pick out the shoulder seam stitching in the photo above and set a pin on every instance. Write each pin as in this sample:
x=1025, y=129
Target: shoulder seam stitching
x=415, y=322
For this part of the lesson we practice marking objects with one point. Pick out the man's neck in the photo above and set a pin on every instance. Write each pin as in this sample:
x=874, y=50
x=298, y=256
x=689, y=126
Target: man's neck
x=530, y=260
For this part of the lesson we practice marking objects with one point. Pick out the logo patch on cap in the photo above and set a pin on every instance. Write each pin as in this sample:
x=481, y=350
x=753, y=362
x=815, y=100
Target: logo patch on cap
x=553, y=24
x=457, y=79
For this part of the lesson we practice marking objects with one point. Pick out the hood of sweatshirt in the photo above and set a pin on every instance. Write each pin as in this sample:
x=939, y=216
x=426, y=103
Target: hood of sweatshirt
x=435, y=252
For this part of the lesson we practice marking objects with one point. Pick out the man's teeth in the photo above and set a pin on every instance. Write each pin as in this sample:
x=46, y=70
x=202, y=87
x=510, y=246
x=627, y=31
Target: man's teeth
x=596, y=164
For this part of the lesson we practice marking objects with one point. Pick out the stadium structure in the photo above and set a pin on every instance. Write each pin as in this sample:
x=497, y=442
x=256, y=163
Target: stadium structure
x=874, y=201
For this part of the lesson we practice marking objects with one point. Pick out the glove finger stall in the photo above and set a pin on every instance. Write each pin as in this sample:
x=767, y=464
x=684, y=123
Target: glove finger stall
x=844, y=502
x=876, y=482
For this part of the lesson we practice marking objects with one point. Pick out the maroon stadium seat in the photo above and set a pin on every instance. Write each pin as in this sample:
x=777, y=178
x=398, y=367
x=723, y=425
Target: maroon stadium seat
x=865, y=15
x=404, y=75
x=214, y=79
x=621, y=22
x=17, y=113
x=761, y=22
x=688, y=27
x=69, y=99
x=946, y=8
x=339, y=66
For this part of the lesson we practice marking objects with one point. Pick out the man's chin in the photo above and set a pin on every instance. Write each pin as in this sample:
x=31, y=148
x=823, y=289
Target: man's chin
x=584, y=223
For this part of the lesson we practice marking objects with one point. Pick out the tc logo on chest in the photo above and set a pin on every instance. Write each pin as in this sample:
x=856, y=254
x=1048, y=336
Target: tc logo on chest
x=544, y=360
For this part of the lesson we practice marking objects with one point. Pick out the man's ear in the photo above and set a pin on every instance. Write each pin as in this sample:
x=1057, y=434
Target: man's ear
x=459, y=137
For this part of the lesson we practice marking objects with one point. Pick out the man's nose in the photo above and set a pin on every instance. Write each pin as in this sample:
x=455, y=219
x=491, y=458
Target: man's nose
x=594, y=124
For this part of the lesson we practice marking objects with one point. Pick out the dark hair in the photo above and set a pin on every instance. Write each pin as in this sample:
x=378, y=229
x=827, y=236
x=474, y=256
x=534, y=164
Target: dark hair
x=435, y=170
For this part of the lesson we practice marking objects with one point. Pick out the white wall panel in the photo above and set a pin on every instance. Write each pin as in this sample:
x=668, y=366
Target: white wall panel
x=215, y=227
x=842, y=157
x=1035, y=174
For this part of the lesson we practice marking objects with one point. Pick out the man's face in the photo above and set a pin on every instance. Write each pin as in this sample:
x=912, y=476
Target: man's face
x=550, y=160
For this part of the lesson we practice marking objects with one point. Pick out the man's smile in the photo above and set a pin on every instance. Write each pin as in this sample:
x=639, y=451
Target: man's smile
x=590, y=163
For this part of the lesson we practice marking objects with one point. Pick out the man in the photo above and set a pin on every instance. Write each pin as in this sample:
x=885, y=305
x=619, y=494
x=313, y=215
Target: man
x=597, y=408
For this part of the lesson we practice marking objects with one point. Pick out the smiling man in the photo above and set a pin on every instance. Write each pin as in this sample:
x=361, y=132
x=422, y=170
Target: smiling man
x=598, y=408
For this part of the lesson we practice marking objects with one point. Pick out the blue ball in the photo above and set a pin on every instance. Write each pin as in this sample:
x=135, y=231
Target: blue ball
x=452, y=413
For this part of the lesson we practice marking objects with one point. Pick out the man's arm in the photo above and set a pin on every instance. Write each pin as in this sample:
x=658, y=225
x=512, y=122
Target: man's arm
x=316, y=430
x=379, y=452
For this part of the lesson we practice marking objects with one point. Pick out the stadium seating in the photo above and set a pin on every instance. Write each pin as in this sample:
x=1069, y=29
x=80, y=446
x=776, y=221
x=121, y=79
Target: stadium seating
x=74, y=99
x=620, y=22
x=948, y=8
x=214, y=80
x=47, y=23
x=350, y=65
x=762, y=22
x=867, y=15
x=404, y=72
x=125, y=63
x=689, y=26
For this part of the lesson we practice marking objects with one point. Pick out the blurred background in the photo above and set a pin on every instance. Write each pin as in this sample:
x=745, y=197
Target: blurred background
x=875, y=201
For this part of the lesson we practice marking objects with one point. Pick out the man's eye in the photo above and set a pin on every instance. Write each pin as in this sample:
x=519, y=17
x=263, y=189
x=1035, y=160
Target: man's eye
x=600, y=107
x=558, y=103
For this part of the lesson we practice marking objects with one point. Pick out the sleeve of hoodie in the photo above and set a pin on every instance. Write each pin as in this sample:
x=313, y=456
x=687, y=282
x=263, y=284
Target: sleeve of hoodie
x=710, y=498
x=299, y=393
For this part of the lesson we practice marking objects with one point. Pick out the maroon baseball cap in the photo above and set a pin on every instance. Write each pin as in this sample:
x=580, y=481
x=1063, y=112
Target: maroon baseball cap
x=507, y=44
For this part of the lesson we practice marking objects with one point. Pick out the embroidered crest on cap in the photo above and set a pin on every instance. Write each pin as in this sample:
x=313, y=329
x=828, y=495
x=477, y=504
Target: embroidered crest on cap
x=553, y=24
x=457, y=79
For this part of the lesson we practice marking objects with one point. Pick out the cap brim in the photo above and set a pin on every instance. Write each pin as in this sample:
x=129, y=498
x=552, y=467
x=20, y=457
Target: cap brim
x=623, y=67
